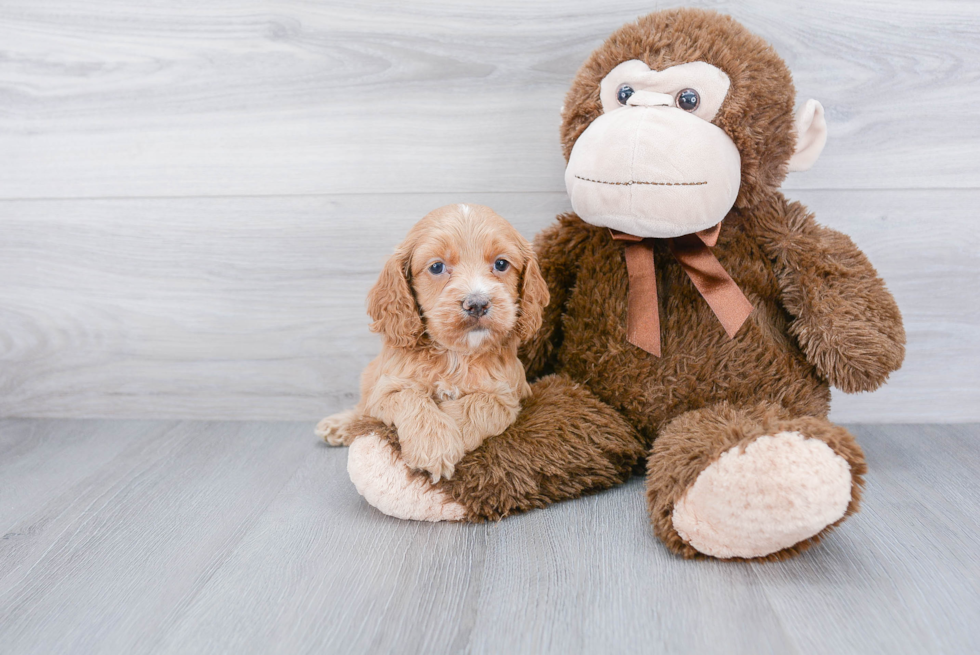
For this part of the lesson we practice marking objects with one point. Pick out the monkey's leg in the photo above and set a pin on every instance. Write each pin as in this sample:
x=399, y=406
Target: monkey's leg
x=565, y=443
x=751, y=482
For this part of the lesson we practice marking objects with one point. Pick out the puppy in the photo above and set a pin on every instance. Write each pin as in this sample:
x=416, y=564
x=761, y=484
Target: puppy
x=452, y=305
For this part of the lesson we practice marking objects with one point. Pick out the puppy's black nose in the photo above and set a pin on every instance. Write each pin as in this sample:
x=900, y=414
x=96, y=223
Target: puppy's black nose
x=476, y=305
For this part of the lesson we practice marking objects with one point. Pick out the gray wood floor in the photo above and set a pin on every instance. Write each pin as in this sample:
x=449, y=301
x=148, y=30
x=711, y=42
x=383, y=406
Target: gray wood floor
x=187, y=537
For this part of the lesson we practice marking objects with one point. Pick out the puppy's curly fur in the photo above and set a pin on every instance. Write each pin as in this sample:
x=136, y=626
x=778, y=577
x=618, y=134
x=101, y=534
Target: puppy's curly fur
x=452, y=304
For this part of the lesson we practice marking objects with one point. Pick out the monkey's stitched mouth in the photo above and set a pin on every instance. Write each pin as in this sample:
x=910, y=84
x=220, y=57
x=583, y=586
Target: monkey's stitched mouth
x=632, y=182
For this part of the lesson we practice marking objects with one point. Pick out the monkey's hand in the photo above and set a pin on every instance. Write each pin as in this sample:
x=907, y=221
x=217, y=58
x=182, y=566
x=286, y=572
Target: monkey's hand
x=843, y=338
x=845, y=320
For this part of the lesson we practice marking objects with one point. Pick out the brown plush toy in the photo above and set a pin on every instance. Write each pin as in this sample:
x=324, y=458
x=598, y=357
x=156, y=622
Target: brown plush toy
x=697, y=317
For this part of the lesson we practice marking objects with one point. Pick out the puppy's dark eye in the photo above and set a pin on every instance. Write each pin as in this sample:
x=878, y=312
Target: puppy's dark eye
x=688, y=100
x=624, y=93
x=437, y=269
x=501, y=265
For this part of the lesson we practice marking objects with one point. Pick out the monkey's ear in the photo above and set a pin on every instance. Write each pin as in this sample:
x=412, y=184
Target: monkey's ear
x=811, y=136
x=534, y=298
x=392, y=306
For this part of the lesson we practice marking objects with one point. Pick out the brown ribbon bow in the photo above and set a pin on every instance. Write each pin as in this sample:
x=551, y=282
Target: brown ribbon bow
x=693, y=252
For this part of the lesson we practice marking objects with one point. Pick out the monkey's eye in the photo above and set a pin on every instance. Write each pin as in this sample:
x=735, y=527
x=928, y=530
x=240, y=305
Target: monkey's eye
x=437, y=269
x=501, y=265
x=688, y=99
x=624, y=93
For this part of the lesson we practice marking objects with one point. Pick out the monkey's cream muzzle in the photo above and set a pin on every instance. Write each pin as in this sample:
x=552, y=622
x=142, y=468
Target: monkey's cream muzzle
x=653, y=172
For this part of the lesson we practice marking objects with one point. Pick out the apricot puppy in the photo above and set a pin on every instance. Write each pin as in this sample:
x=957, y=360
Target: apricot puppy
x=452, y=304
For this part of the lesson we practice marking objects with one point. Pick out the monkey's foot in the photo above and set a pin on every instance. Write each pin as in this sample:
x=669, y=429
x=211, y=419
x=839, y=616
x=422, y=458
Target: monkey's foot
x=384, y=480
x=772, y=494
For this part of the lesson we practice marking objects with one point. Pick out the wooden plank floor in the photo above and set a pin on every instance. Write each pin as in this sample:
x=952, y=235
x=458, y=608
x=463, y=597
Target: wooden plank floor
x=216, y=537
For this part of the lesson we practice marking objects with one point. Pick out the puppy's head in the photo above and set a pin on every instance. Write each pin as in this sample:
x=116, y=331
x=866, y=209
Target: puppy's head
x=465, y=277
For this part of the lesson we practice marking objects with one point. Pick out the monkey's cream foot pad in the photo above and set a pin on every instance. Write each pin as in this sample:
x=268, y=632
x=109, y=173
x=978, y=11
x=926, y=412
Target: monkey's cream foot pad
x=775, y=493
x=385, y=482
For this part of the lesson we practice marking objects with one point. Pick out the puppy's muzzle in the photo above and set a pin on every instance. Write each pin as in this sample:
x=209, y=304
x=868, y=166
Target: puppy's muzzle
x=476, y=305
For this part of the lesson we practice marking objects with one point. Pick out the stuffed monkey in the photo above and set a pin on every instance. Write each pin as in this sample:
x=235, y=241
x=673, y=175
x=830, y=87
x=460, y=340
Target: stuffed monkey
x=697, y=317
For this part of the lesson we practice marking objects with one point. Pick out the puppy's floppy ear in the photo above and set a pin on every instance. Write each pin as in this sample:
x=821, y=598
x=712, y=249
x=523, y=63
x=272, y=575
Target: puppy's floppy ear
x=534, y=297
x=392, y=306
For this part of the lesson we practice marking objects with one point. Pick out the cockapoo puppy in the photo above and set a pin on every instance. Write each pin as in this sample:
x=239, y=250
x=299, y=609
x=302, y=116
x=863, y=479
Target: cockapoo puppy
x=452, y=305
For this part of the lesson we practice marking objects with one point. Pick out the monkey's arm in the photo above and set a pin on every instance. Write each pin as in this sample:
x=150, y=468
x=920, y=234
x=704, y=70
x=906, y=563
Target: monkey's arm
x=557, y=248
x=845, y=320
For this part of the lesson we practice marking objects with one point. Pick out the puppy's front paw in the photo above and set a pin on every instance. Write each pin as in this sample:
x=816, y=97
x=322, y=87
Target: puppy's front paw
x=456, y=410
x=482, y=415
x=333, y=429
x=434, y=446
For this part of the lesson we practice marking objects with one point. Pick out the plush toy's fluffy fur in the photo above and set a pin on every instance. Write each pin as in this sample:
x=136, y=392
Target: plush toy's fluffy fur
x=822, y=316
x=447, y=378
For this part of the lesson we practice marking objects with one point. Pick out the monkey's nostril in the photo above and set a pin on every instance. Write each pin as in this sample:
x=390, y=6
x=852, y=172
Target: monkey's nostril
x=476, y=305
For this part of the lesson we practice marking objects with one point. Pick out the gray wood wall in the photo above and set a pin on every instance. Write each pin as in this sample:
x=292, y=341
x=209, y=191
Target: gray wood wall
x=195, y=197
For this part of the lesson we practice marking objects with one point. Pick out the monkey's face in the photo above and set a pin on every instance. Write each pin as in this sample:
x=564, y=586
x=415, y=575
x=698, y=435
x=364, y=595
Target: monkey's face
x=653, y=164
